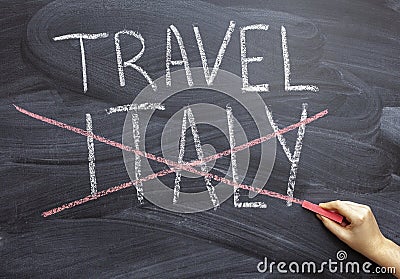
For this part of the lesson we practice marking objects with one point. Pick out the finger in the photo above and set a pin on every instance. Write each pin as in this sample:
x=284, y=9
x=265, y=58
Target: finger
x=353, y=204
x=345, y=223
x=341, y=207
x=335, y=228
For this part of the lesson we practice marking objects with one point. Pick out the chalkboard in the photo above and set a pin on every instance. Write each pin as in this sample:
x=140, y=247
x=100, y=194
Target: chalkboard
x=177, y=139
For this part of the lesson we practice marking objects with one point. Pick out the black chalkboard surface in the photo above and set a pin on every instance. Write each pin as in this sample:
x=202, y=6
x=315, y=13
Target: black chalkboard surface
x=120, y=119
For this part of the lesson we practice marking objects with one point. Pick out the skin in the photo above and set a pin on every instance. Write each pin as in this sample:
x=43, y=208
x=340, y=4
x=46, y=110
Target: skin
x=361, y=232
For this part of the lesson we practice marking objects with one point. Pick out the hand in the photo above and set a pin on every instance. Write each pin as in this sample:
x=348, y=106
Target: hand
x=362, y=233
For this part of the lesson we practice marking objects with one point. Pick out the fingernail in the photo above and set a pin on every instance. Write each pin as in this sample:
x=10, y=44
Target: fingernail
x=318, y=216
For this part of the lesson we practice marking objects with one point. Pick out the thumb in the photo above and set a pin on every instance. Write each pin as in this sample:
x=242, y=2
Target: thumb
x=341, y=207
x=335, y=228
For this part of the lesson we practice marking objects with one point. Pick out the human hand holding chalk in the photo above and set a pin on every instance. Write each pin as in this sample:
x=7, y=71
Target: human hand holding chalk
x=317, y=209
x=362, y=233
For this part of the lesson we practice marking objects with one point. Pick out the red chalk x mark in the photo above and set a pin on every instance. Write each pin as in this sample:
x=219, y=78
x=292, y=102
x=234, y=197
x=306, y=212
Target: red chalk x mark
x=317, y=209
x=174, y=165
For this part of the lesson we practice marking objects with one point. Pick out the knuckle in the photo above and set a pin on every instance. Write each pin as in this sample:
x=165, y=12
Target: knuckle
x=360, y=218
x=364, y=216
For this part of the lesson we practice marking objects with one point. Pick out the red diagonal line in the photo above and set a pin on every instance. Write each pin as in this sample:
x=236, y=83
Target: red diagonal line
x=185, y=166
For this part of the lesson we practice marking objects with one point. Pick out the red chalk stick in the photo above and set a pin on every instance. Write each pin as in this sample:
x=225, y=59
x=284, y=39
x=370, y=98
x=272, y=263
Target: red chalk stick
x=317, y=209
